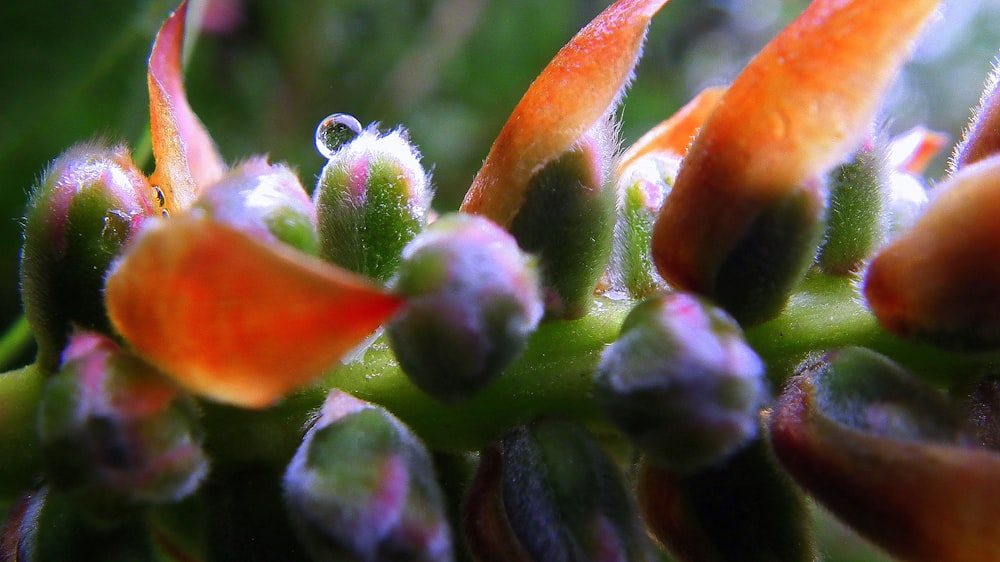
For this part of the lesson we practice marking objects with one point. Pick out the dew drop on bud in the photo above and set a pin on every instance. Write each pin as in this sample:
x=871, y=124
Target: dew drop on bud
x=334, y=132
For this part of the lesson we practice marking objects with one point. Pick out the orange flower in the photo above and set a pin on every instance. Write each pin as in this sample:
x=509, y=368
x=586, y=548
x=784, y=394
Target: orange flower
x=573, y=93
x=229, y=316
x=751, y=178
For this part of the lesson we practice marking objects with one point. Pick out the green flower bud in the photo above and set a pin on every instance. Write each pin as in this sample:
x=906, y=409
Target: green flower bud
x=890, y=456
x=549, y=492
x=856, y=218
x=567, y=219
x=265, y=200
x=362, y=487
x=681, y=382
x=744, y=509
x=115, y=434
x=472, y=301
x=641, y=191
x=83, y=211
x=45, y=526
x=372, y=198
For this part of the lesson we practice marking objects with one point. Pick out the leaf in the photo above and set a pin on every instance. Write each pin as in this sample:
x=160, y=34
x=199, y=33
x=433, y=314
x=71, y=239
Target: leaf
x=186, y=157
x=575, y=91
x=674, y=135
x=235, y=319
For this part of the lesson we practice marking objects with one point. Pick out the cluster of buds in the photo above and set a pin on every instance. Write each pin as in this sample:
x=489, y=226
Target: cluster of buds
x=360, y=340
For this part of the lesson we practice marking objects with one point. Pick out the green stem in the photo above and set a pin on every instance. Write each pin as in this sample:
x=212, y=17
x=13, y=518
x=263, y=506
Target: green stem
x=15, y=341
x=826, y=313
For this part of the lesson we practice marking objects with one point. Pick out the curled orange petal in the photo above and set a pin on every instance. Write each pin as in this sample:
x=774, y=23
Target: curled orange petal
x=800, y=106
x=186, y=157
x=235, y=319
x=938, y=280
x=575, y=91
x=674, y=135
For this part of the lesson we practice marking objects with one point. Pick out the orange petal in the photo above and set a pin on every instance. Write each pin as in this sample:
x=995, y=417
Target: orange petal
x=235, y=319
x=939, y=279
x=912, y=151
x=186, y=157
x=577, y=88
x=800, y=106
x=674, y=135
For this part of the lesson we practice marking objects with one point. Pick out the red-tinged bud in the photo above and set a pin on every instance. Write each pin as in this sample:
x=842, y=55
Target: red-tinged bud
x=890, y=456
x=372, y=198
x=681, y=382
x=856, y=220
x=549, y=492
x=472, y=300
x=82, y=213
x=742, y=223
x=362, y=487
x=744, y=509
x=937, y=281
x=115, y=434
x=266, y=201
x=982, y=138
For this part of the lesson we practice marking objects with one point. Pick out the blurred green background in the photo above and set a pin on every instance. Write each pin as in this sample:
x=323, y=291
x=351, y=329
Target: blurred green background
x=263, y=73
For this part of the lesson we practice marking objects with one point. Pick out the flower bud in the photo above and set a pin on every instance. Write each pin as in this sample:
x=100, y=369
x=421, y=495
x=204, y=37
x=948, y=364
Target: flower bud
x=567, y=219
x=549, y=492
x=856, y=222
x=45, y=526
x=472, y=301
x=743, y=509
x=937, y=281
x=115, y=434
x=890, y=456
x=85, y=209
x=372, y=198
x=681, y=382
x=641, y=190
x=265, y=200
x=743, y=221
x=361, y=487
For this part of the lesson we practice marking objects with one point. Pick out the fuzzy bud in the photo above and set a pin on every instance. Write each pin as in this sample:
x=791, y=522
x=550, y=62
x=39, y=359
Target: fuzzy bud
x=549, y=492
x=265, y=200
x=856, y=220
x=472, y=301
x=681, y=382
x=567, y=219
x=361, y=487
x=641, y=190
x=372, y=198
x=85, y=209
x=116, y=434
x=744, y=509
x=891, y=456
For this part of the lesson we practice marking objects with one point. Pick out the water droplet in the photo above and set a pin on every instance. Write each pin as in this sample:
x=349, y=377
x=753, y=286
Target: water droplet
x=117, y=226
x=334, y=132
